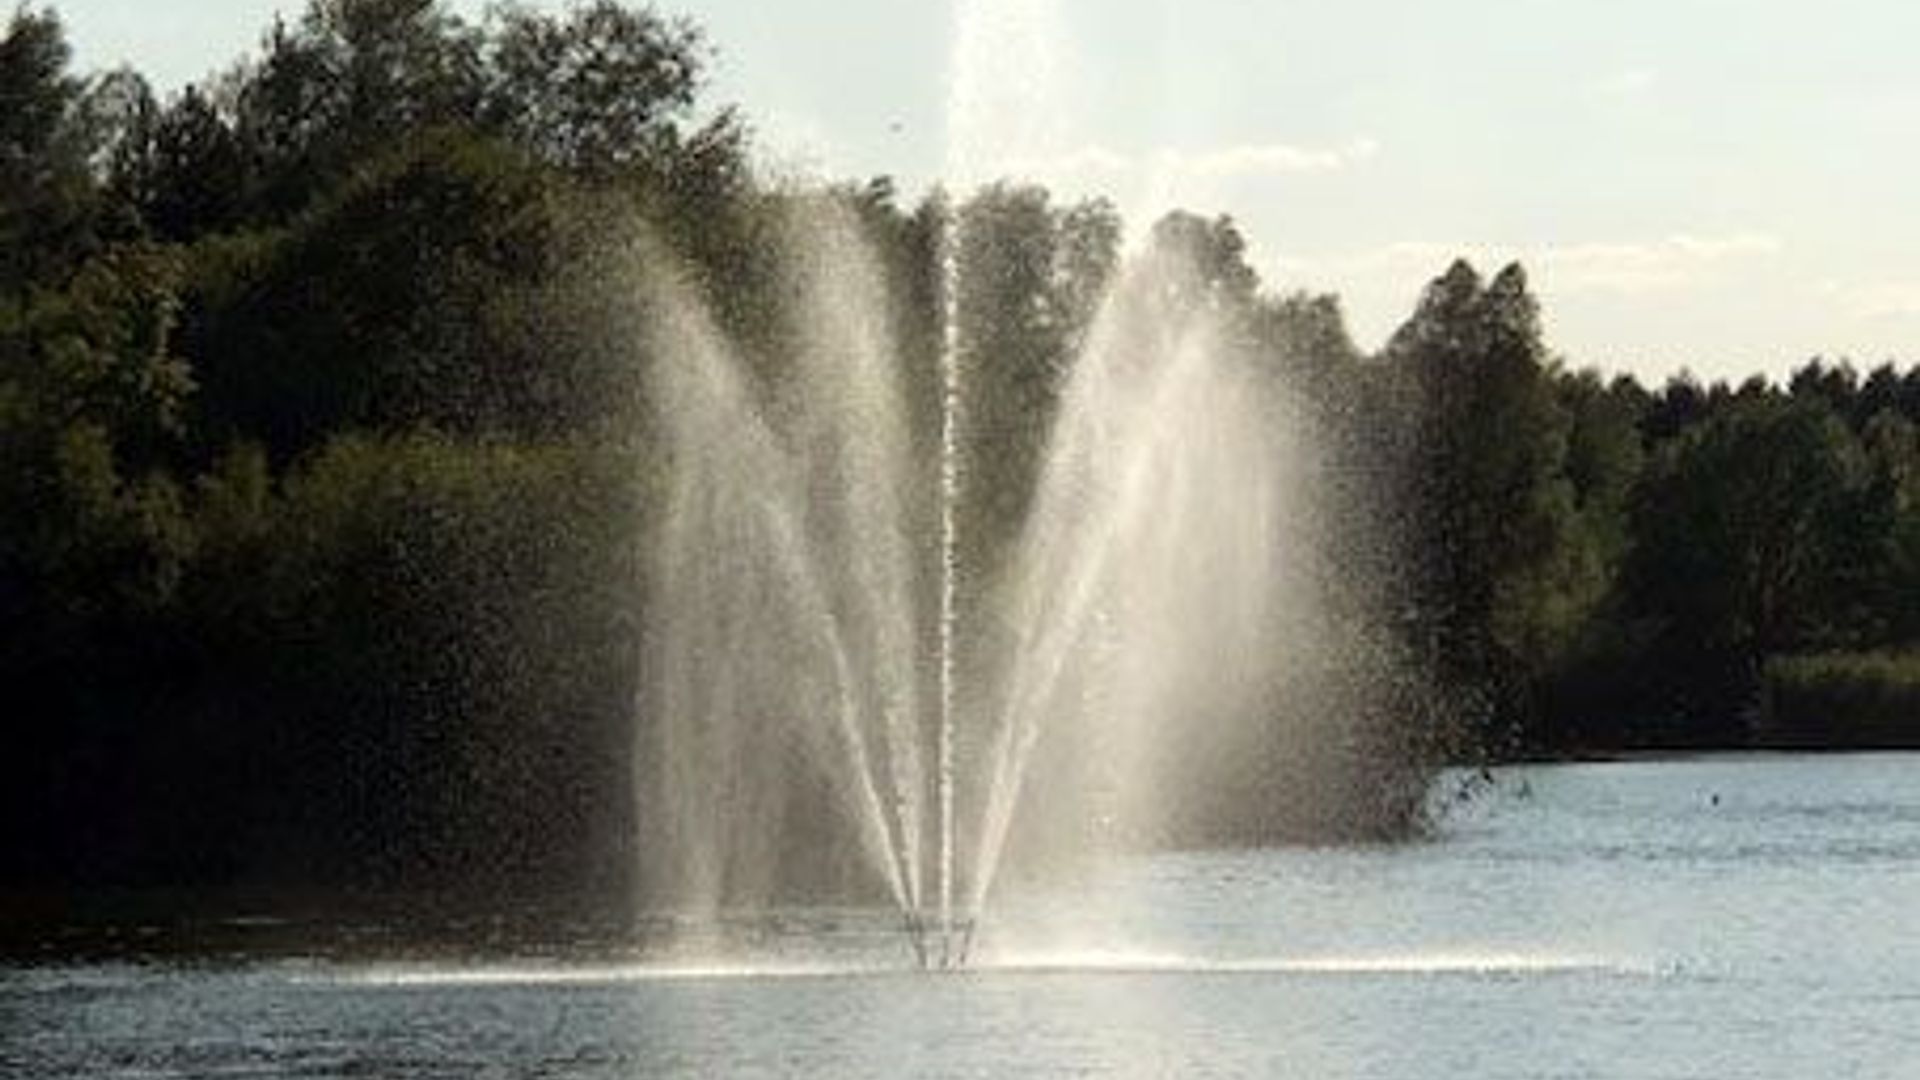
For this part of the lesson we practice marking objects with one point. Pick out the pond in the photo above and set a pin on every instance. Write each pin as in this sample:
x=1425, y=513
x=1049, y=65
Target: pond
x=1716, y=917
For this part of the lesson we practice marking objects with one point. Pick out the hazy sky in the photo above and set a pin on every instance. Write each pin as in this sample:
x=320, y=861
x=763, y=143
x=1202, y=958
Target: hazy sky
x=1728, y=185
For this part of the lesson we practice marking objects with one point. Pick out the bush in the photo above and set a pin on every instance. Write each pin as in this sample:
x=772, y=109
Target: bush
x=1843, y=700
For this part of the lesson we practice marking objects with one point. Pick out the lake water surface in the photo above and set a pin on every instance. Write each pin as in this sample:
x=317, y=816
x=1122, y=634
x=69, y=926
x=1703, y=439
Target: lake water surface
x=1713, y=918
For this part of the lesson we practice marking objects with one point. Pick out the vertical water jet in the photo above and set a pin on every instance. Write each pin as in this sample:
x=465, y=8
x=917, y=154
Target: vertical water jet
x=787, y=670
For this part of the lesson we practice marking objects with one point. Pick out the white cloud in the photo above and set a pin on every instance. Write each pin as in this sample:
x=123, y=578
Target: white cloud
x=1082, y=163
x=1720, y=247
x=1626, y=83
x=1169, y=170
x=1268, y=159
x=1676, y=262
x=1875, y=300
x=1629, y=266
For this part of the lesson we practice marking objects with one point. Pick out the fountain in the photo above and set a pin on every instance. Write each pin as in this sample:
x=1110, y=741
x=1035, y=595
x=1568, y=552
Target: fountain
x=820, y=691
x=789, y=694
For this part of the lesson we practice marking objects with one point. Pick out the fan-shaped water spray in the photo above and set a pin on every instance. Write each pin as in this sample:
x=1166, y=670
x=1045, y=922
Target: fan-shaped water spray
x=789, y=653
x=817, y=683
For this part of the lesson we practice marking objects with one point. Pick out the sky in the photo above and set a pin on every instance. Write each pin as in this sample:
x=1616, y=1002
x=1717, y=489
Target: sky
x=1725, y=186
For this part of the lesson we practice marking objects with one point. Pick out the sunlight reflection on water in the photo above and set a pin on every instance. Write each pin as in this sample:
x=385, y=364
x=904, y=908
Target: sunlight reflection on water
x=1104, y=962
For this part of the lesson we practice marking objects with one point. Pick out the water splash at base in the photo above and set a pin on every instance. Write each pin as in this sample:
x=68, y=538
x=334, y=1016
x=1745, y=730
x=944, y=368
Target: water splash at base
x=1437, y=965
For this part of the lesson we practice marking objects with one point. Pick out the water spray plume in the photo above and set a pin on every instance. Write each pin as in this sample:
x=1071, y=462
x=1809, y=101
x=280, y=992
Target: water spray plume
x=799, y=602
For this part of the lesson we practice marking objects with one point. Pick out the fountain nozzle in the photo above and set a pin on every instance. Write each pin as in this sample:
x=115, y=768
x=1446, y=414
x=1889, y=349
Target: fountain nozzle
x=939, y=946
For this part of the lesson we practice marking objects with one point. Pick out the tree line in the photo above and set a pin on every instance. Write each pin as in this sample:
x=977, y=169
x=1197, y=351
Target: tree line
x=324, y=448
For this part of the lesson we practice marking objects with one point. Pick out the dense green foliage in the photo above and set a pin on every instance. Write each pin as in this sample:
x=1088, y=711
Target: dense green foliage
x=1857, y=699
x=316, y=475
x=322, y=456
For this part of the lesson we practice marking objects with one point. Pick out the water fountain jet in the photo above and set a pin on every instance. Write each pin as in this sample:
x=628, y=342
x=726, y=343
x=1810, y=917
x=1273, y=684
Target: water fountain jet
x=790, y=649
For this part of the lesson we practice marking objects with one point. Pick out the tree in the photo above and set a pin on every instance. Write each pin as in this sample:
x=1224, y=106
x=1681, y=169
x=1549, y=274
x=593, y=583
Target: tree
x=346, y=81
x=1892, y=446
x=1836, y=387
x=419, y=293
x=1216, y=251
x=1604, y=459
x=183, y=170
x=1502, y=585
x=1085, y=262
x=1745, y=532
x=1305, y=338
x=93, y=403
x=101, y=351
x=601, y=91
x=1029, y=276
x=46, y=185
